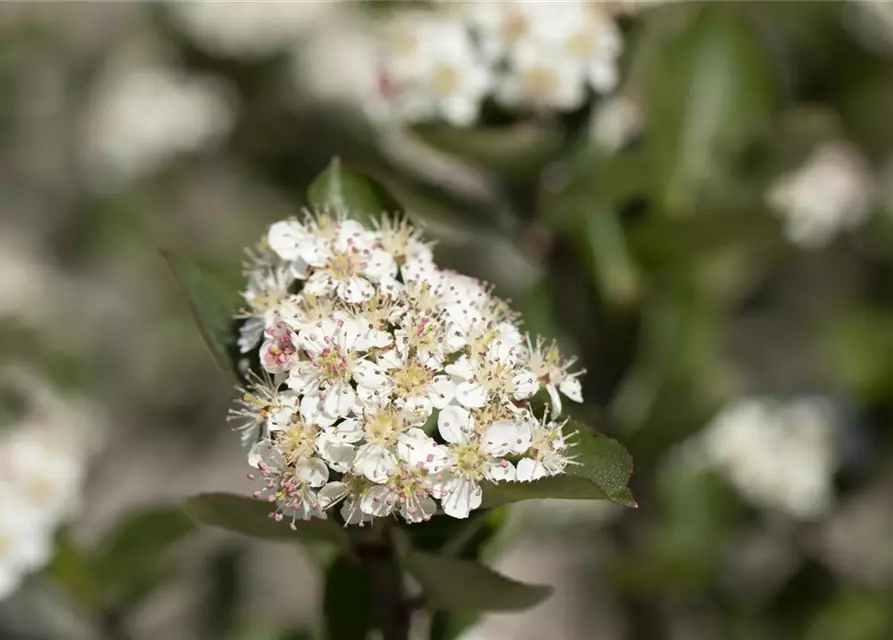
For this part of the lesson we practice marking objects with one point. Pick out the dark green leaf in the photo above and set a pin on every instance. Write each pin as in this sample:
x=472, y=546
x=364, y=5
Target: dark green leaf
x=13, y=406
x=463, y=585
x=212, y=304
x=709, y=89
x=342, y=191
x=129, y=558
x=516, y=151
x=347, y=601
x=71, y=568
x=244, y=515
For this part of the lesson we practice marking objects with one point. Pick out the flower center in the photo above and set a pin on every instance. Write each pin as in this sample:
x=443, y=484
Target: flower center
x=299, y=441
x=343, y=266
x=539, y=82
x=445, y=80
x=470, y=460
x=411, y=378
x=515, y=28
x=383, y=427
x=580, y=45
x=334, y=363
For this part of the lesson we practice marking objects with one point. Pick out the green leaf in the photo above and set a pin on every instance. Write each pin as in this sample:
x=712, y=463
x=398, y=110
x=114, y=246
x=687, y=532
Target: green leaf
x=129, y=558
x=341, y=191
x=250, y=517
x=710, y=88
x=347, y=584
x=13, y=406
x=212, y=304
x=604, y=470
x=462, y=585
x=517, y=151
x=71, y=568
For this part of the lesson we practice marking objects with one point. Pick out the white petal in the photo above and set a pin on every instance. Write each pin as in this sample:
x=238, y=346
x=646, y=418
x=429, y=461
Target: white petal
x=313, y=471
x=471, y=394
x=416, y=411
x=377, y=501
x=338, y=399
x=464, y=496
x=556, y=399
x=339, y=455
x=503, y=436
x=285, y=238
x=420, y=450
x=501, y=471
x=572, y=388
x=529, y=470
x=421, y=511
x=355, y=290
x=304, y=378
x=441, y=391
x=389, y=360
x=348, y=430
x=265, y=452
x=526, y=384
x=380, y=265
x=366, y=374
x=332, y=493
x=375, y=462
x=453, y=424
x=461, y=369
x=319, y=284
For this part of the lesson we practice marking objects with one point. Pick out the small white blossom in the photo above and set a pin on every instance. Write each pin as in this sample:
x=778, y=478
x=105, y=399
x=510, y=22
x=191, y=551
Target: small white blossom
x=141, y=117
x=528, y=55
x=245, y=27
x=830, y=193
x=430, y=69
x=367, y=342
x=43, y=462
x=777, y=455
x=615, y=123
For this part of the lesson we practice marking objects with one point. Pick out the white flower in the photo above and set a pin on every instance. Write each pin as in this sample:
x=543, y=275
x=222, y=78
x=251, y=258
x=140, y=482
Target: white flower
x=547, y=455
x=43, y=462
x=833, y=191
x=25, y=542
x=432, y=70
x=473, y=457
x=140, y=117
x=778, y=455
x=408, y=487
x=247, y=28
x=615, y=122
x=363, y=373
x=548, y=367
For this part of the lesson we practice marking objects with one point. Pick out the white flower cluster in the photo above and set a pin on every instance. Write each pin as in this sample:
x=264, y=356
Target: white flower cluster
x=777, y=455
x=43, y=460
x=248, y=28
x=527, y=55
x=368, y=347
x=830, y=193
x=143, y=115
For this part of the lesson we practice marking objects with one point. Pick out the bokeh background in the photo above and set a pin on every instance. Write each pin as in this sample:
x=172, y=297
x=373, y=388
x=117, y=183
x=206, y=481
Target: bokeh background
x=714, y=240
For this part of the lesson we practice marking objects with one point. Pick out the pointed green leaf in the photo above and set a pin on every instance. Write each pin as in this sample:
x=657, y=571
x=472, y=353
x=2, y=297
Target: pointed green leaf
x=250, y=517
x=462, y=585
x=347, y=582
x=211, y=302
x=128, y=559
x=602, y=474
x=342, y=191
x=710, y=88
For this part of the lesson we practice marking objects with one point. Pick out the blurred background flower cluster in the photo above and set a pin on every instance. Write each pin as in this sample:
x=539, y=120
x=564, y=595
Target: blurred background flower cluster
x=695, y=198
